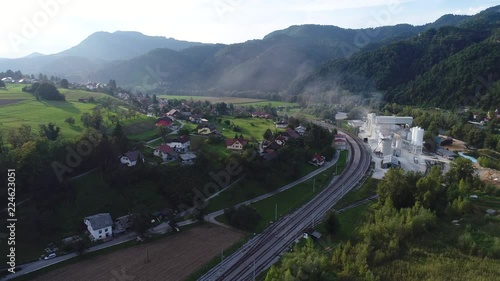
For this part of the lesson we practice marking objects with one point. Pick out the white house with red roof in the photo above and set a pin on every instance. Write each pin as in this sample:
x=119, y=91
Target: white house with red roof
x=236, y=143
x=166, y=152
x=340, y=142
x=318, y=160
x=180, y=144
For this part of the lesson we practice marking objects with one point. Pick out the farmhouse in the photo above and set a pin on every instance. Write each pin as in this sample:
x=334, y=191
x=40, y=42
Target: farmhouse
x=180, y=144
x=318, y=160
x=236, y=143
x=164, y=121
x=99, y=226
x=166, y=152
x=130, y=158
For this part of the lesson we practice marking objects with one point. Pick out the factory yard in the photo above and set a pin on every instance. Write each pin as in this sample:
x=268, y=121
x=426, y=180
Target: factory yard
x=172, y=258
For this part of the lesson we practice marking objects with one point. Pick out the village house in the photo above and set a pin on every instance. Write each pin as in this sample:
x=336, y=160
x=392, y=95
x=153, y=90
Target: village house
x=318, y=160
x=262, y=115
x=180, y=144
x=236, y=143
x=131, y=158
x=164, y=121
x=174, y=113
x=340, y=142
x=100, y=226
x=290, y=134
x=166, y=152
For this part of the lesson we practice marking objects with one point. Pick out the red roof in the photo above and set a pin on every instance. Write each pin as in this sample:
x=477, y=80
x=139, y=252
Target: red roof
x=230, y=142
x=291, y=133
x=318, y=157
x=165, y=148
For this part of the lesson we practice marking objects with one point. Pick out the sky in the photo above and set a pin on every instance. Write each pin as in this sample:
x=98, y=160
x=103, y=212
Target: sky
x=51, y=26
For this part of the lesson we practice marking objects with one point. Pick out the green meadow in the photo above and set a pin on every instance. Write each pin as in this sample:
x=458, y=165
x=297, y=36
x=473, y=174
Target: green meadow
x=18, y=107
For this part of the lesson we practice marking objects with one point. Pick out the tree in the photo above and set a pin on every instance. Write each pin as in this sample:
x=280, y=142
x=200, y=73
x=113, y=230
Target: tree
x=64, y=83
x=139, y=224
x=50, y=131
x=93, y=120
x=81, y=246
x=70, y=121
x=49, y=92
x=2, y=84
x=120, y=139
x=331, y=222
x=155, y=99
x=244, y=217
x=268, y=134
x=18, y=137
x=183, y=131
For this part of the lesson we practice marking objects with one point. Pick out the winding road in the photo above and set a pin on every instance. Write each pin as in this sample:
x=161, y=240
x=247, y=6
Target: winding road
x=264, y=249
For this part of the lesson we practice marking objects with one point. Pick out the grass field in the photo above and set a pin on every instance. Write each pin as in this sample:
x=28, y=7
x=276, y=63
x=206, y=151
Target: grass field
x=249, y=189
x=250, y=127
x=27, y=110
x=296, y=196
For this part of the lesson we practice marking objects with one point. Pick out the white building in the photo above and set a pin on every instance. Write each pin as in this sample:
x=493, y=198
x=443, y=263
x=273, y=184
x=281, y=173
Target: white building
x=100, y=226
x=130, y=158
x=416, y=139
x=180, y=144
x=381, y=131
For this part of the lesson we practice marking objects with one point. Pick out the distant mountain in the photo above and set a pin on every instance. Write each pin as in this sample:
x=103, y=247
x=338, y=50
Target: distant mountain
x=34, y=55
x=258, y=66
x=122, y=45
x=93, y=53
x=442, y=67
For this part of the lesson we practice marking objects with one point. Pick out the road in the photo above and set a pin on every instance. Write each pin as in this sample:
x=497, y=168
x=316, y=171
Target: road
x=264, y=249
x=37, y=265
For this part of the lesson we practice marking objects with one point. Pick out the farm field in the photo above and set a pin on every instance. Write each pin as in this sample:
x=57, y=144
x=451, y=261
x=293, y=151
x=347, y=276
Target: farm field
x=172, y=258
x=250, y=127
x=19, y=108
x=233, y=100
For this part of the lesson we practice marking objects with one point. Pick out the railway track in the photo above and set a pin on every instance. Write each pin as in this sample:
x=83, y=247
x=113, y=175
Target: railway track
x=264, y=249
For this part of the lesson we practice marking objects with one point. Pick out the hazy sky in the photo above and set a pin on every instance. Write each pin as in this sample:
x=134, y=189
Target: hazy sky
x=50, y=26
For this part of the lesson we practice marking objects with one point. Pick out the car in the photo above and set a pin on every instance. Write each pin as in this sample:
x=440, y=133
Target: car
x=51, y=256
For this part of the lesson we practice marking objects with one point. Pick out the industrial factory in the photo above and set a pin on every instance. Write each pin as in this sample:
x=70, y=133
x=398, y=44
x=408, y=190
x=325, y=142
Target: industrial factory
x=393, y=139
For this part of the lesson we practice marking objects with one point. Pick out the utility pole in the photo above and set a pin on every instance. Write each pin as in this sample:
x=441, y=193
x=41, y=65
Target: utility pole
x=275, y=212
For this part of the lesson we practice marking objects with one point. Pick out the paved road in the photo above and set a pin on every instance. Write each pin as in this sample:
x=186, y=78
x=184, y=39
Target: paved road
x=264, y=249
x=37, y=265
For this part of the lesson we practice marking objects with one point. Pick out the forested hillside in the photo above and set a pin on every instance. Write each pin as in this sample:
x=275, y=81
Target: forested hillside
x=439, y=67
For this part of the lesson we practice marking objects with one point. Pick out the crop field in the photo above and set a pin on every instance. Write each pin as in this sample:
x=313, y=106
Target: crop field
x=172, y=258
x=233, y=100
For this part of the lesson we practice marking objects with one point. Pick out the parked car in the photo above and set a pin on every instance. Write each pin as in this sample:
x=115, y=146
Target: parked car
x=51, y=256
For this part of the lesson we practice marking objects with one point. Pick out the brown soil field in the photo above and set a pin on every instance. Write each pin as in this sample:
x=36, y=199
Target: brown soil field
x=172, y=258
x=9, y=101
